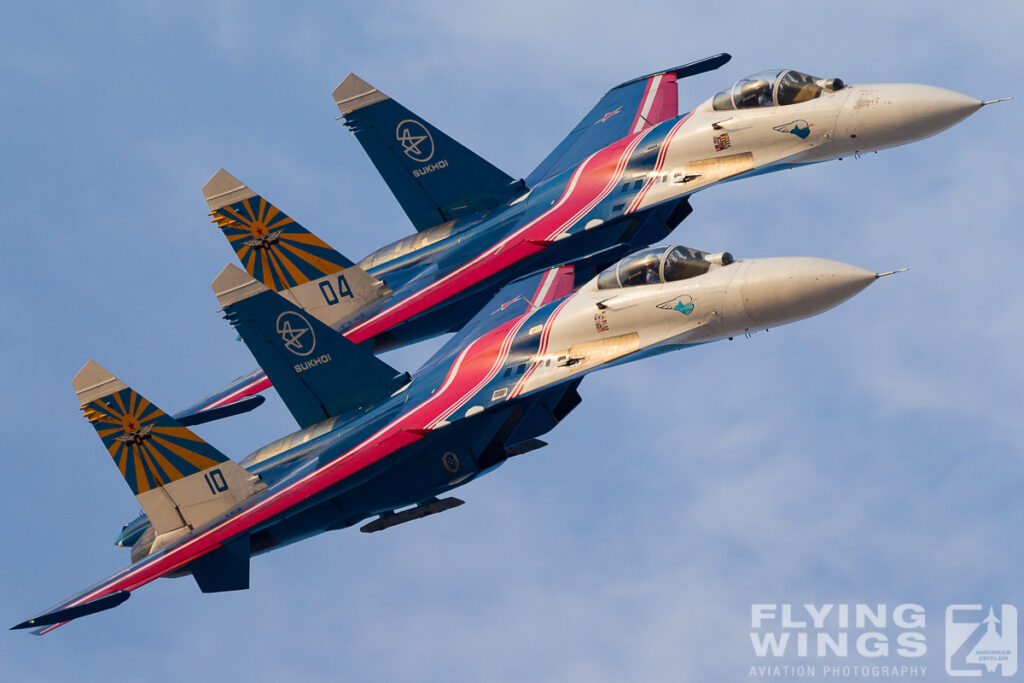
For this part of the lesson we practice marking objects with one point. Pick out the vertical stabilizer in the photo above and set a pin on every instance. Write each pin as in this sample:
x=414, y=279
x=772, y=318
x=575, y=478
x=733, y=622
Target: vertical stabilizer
x=432, y=176
x=179, y=480
x=315, y=369
x=286, y=257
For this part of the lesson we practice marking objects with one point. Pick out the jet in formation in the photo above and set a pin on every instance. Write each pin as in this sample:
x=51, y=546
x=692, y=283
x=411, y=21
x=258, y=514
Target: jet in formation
x=620, y=181
x=542, y=281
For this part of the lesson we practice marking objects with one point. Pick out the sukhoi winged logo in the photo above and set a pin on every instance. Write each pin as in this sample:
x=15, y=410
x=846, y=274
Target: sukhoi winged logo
x=296, y=333
x=416, y=141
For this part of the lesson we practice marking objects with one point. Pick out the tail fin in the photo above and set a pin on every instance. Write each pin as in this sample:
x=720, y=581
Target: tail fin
x=626, y=109
x=316, y=370
x=178, y=479
x=286, y=257
x=432, y=176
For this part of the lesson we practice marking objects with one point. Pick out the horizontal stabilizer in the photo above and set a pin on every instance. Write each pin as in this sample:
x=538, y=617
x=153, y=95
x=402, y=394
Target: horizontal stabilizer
x=68, y=613
x=239, y=389
x=178, y=479
x=626, y=109
x=316, y=370
x=433, y=177
x=419, y=512
x=237, y=408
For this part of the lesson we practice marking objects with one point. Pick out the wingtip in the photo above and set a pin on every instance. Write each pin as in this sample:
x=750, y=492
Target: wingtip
x=223, y=189
x=354, y=93
x=234, y=284
x=29, y=623
x=94, y=381
x=50, y=620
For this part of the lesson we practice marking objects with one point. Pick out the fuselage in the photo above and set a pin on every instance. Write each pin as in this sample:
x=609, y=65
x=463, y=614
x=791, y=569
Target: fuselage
x=476, y=402
x=631, y=193
x=627, y=195
x=511, y=375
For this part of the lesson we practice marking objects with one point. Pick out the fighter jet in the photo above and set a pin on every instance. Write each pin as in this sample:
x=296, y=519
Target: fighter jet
x=381, y=447
x=620, y=180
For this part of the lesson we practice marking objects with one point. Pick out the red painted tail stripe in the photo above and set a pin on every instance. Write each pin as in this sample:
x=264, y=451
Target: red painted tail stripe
x=640, y=121
x=556, y=283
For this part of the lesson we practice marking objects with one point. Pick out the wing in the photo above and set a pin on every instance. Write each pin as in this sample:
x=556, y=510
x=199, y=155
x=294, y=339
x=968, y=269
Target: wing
x=240, y=396
x=182, y=484
x=625, y=109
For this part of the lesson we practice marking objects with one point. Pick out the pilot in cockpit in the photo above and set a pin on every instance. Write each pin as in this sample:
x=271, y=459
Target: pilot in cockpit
x=655, y=265
x=778, y=87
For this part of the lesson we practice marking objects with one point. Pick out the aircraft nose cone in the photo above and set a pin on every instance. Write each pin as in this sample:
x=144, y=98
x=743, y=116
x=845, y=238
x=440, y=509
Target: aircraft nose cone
x=889, y=114
x=775, y=291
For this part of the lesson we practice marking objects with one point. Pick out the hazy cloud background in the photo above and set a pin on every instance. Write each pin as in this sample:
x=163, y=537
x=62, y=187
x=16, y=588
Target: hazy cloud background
x=868, y=455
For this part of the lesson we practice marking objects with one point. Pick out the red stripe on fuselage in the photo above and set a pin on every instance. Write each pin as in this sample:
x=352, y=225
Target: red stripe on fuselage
x=592, y=181
x=472, y=369
x=658, y=166
x=583, y=192
x=541, y=349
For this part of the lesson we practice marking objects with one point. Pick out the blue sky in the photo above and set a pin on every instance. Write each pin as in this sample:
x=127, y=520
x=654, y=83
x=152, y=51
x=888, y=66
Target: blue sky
x=869, y=455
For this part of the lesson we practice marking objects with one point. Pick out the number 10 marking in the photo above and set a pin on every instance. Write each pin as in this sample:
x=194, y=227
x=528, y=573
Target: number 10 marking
x=215, y=480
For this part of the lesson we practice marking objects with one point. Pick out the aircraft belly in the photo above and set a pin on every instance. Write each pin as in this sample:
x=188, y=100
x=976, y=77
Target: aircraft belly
x=291, y=529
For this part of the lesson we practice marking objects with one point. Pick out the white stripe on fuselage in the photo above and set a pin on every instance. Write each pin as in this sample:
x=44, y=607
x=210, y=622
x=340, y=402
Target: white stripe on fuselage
x=497, y=248
x=542, y=348
x=181, y=549
x=658, y=166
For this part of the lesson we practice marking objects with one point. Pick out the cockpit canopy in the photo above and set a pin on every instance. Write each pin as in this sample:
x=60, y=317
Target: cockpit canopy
x=659, y=264
x=773, y=88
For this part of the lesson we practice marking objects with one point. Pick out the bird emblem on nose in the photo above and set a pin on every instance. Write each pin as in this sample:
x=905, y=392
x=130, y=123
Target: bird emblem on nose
x=799, y=128
x=683, y=304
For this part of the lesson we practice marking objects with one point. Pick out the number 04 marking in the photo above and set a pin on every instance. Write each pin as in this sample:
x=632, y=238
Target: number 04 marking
x=332, y=297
